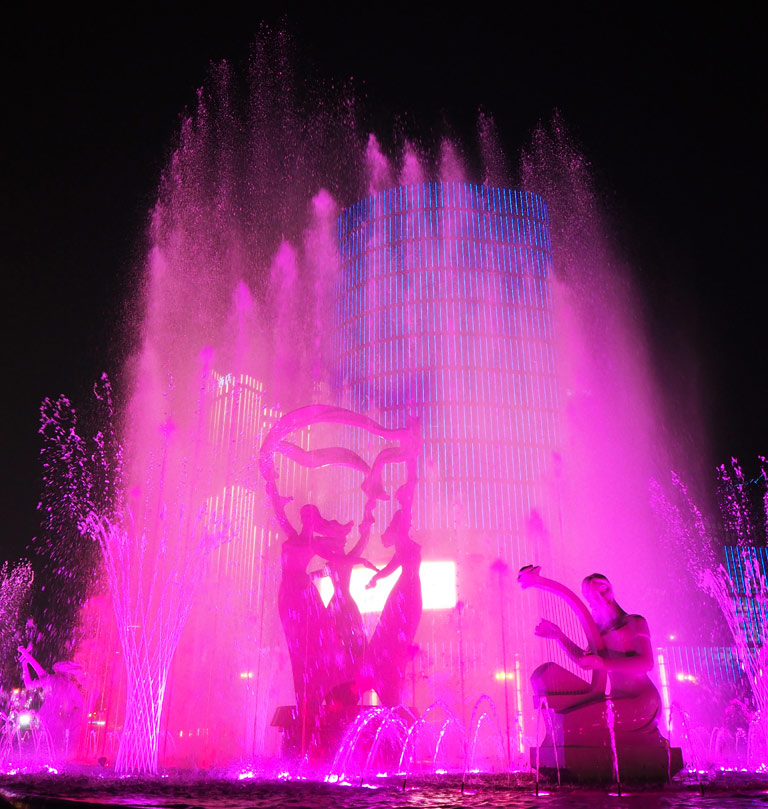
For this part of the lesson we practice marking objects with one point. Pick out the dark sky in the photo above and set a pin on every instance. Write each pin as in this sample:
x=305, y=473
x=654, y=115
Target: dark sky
x=669, y=108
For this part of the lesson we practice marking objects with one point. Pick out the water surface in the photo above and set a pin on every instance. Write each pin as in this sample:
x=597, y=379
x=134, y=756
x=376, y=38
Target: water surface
x=516, y=791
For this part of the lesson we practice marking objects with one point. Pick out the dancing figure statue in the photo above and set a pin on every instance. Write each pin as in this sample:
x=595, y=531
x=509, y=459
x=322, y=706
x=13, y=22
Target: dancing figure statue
x=391, y=646
x=605, y=699
x=302, y=612
x=346, y=639
x=328, y=646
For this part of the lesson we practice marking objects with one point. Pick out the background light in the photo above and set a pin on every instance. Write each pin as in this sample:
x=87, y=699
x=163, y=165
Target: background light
x=438, y=587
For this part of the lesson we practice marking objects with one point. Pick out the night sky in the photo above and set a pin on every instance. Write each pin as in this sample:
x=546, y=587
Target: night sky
x=670, y=111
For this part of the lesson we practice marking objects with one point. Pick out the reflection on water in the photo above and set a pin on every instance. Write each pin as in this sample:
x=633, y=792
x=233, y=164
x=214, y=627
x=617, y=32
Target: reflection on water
x=516, y=790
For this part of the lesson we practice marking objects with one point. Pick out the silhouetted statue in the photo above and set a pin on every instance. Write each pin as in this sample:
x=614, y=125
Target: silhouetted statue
x=328, y=647
x=347, y=638
x=391, y=646
x=303, y=614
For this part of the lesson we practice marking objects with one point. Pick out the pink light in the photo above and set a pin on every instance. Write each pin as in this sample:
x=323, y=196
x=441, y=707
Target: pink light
x=664, y=689
x=438, y=588
x=519, y=703
x=438, y=585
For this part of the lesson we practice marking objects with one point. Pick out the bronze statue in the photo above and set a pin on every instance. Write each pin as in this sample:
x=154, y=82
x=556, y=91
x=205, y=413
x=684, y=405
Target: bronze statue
x=585, y=712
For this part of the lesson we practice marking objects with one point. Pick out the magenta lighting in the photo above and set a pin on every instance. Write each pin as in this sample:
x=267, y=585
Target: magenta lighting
x=444, y=311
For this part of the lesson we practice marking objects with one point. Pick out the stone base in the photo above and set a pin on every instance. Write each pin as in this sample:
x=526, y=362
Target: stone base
x=649, y=764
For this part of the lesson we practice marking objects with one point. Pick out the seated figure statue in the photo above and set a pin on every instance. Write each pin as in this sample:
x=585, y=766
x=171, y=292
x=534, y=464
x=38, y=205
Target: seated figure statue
x=621, y=656
x=627, y=657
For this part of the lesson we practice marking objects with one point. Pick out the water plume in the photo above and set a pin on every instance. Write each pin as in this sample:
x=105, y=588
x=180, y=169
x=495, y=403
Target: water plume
x=284, y=268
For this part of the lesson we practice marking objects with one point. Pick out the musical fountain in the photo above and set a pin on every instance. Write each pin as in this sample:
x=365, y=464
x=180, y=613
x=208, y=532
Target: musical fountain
x=390, y=351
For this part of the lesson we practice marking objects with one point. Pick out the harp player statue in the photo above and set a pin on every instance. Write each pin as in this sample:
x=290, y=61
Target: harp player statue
x=619, y=653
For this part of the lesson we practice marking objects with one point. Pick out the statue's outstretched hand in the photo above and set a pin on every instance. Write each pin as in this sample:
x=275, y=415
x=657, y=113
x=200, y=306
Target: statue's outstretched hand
x=373, y=582
x=529, y=576
x=546, y=629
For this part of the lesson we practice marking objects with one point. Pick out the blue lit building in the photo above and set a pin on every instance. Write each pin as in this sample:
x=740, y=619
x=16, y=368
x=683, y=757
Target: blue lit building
x=444, y=310
x=747, y=568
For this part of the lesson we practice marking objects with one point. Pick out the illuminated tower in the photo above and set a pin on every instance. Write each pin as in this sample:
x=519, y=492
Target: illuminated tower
x=444, y=310
x=239, y=420
x=233, y=648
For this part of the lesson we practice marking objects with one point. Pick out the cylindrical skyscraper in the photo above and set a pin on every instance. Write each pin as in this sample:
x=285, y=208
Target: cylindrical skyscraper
x=444, y=311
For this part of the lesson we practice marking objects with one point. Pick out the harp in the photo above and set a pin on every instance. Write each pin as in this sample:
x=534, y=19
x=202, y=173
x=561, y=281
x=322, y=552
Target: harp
x=562, y=681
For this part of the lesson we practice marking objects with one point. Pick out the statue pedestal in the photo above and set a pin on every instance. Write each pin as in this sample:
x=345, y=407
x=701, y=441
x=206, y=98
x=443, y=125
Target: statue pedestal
x=587, y=757
x=321, y=736
x=595, y=764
